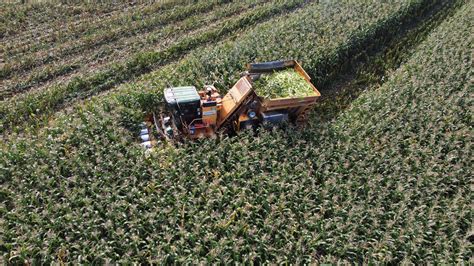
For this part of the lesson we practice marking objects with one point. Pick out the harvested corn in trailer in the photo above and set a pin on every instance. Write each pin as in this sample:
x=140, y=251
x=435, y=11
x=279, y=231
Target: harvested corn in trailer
x=283, y=84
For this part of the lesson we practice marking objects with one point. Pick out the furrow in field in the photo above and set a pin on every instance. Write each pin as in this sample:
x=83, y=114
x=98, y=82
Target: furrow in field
x=86, y=20
x=45, y=36
x=22, y=32
x=17, y=20
x=114, y=52
x=126, y=22
x=105, y=33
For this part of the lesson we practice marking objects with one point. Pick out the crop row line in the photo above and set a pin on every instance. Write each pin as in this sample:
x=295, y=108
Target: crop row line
x=70, y=64
x=18, y=20
x=88, y=22
x=104, y=36
x=122, y=24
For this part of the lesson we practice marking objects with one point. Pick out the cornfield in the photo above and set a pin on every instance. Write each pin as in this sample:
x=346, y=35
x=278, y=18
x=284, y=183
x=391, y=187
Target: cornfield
x=380, y=174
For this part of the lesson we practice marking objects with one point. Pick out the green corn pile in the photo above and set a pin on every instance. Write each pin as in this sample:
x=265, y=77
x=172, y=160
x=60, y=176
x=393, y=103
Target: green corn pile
x=283, y=84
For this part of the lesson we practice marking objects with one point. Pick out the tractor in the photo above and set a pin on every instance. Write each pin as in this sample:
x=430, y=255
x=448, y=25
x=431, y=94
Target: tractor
x=192, y=114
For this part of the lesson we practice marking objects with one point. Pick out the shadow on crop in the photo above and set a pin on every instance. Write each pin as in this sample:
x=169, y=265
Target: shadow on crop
x=369, y=68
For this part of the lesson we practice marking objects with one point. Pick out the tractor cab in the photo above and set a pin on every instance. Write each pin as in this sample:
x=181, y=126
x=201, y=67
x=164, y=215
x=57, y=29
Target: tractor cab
x=192, y=112
x=184, y=104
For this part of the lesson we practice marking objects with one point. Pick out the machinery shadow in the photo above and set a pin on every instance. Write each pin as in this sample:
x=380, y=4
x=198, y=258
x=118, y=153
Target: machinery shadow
x=369, y=68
